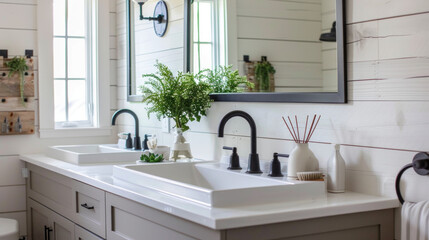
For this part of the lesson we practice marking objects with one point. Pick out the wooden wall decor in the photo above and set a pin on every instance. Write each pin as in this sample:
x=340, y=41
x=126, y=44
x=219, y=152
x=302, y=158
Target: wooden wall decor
x=16, y=117
x=249, y=67
x=10, y=125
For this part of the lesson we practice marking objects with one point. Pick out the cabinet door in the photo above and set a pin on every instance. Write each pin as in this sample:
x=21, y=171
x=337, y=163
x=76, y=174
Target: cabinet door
x=46, y=224
x=82, y=234
x=63, y=228
x=38, y=221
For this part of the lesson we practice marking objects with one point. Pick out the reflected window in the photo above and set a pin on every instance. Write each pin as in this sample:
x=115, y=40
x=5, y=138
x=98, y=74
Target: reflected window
x=73, y=63
x=208, y=34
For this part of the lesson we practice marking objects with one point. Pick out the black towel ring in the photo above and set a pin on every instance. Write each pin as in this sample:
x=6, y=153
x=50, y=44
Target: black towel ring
x=421, y=166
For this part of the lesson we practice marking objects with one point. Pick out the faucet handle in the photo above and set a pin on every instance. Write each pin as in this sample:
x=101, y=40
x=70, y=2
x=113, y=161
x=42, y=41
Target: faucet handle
x=281, y=155
x=275, y=166
x=234, y=160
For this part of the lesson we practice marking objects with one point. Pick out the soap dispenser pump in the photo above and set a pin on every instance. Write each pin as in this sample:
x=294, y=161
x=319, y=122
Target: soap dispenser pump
x=234, y=160
x=129, y=141
x=275, y=166
x=146, y=139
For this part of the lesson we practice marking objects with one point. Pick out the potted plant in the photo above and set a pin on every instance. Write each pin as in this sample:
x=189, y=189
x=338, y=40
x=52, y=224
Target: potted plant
x=263, y=70
x=225, y=80
x=18, y=65
x=183, y=98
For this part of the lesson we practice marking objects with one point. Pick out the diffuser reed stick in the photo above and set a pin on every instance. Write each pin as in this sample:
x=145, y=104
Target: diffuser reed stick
x=307, y=136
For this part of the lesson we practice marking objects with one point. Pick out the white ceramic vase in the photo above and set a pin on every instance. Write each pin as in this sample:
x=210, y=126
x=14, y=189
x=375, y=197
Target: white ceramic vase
x=301, y=159
x=180, y=146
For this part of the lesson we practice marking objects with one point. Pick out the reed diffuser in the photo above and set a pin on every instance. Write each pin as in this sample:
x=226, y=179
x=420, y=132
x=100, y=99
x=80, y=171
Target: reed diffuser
x=301, y=159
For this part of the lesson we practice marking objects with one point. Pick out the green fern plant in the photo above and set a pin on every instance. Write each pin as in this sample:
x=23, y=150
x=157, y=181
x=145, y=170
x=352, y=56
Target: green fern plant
x=225, y=80
x=183, y=98
x=262, y=74
x=18, y=65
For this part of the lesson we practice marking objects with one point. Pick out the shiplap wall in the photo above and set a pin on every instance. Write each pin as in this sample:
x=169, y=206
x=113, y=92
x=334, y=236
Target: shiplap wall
x=18, y=31
x=287, y=32
x=380, y=129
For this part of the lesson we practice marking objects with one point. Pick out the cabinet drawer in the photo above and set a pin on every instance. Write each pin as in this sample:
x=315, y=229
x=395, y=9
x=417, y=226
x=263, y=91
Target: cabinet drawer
x=83, y=234
x=51, y=189
x=90, y=208
x=127, y=219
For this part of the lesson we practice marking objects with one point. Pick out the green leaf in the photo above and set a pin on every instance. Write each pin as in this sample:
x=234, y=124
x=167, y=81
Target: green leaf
x=183, y=98
x=18, y=65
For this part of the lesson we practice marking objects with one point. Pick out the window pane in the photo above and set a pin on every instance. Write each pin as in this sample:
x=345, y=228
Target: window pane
x=59, y=58
x=77, y=100
x=76, y=58
x=205, y=29
x=76, y=18
x=60, y=100
x=205, y=56
x=59, y=17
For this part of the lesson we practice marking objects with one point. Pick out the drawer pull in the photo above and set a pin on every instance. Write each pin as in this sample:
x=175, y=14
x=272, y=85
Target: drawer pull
x=86, y=206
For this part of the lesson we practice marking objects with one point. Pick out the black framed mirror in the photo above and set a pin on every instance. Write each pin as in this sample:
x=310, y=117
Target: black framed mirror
x=296, y=37
x=275, y=29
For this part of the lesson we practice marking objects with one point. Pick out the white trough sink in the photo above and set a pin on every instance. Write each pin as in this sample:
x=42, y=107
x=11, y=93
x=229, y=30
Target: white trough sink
x=212, y=185
x=92, y=154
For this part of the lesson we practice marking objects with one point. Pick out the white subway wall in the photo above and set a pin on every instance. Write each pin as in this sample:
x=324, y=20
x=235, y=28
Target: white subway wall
x=18, y=31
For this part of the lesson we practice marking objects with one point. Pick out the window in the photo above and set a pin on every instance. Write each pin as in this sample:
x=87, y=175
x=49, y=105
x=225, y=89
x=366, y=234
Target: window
x=74, y=58
x=72, y=63
x=208, y=40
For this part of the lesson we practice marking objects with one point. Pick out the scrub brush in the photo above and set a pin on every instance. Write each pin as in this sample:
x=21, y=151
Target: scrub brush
x=310, y=176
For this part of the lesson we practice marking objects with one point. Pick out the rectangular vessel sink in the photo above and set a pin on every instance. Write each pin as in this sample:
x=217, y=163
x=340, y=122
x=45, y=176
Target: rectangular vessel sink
x=90, y=154
x=212, y=185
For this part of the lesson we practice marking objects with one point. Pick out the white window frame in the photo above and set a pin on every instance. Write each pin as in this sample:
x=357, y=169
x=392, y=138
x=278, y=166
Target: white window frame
x=219, y=38
x=90, y=75
x=101, y=83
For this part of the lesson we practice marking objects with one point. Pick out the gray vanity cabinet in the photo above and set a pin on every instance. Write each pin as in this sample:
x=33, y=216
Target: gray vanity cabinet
x=69, y=209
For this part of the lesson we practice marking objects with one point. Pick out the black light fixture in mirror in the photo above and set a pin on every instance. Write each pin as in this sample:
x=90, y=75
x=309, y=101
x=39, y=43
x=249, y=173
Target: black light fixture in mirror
x=160, y=16
x=330, y=36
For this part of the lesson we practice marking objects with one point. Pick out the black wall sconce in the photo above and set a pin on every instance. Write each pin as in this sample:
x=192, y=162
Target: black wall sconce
x=160, y=16
x=331, y=36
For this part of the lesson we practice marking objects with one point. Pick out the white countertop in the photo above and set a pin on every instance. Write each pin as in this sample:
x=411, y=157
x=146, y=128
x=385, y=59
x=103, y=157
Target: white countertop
x=100, y=176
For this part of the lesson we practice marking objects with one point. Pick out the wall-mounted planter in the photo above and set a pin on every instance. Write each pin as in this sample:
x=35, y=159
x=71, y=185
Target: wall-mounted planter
x=16, y=113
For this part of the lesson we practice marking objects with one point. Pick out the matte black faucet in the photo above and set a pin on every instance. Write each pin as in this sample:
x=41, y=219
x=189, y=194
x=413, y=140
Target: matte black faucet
x=137, y=144
x=253, y=165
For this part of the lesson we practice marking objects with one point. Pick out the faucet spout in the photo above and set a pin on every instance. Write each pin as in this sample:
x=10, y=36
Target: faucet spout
x=137, y=144
x=253, y=166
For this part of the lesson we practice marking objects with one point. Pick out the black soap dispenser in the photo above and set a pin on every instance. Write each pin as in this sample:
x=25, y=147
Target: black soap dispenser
x=234, y=160
x=276, y=168
x=129, y=141
x=145, y=140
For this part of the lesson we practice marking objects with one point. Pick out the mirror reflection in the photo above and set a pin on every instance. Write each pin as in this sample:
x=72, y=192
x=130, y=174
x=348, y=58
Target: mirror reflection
x=280, y=45
x=146, y=46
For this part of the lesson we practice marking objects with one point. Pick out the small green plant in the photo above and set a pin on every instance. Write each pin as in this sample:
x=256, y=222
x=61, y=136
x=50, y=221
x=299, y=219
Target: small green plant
x=225, y=80
x=18, y=65
x=152, y=158
x=262, y=74
x=183, y=98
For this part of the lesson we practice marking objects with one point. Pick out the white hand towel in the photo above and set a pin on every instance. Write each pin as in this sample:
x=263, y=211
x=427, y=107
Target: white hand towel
x=415, y=221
